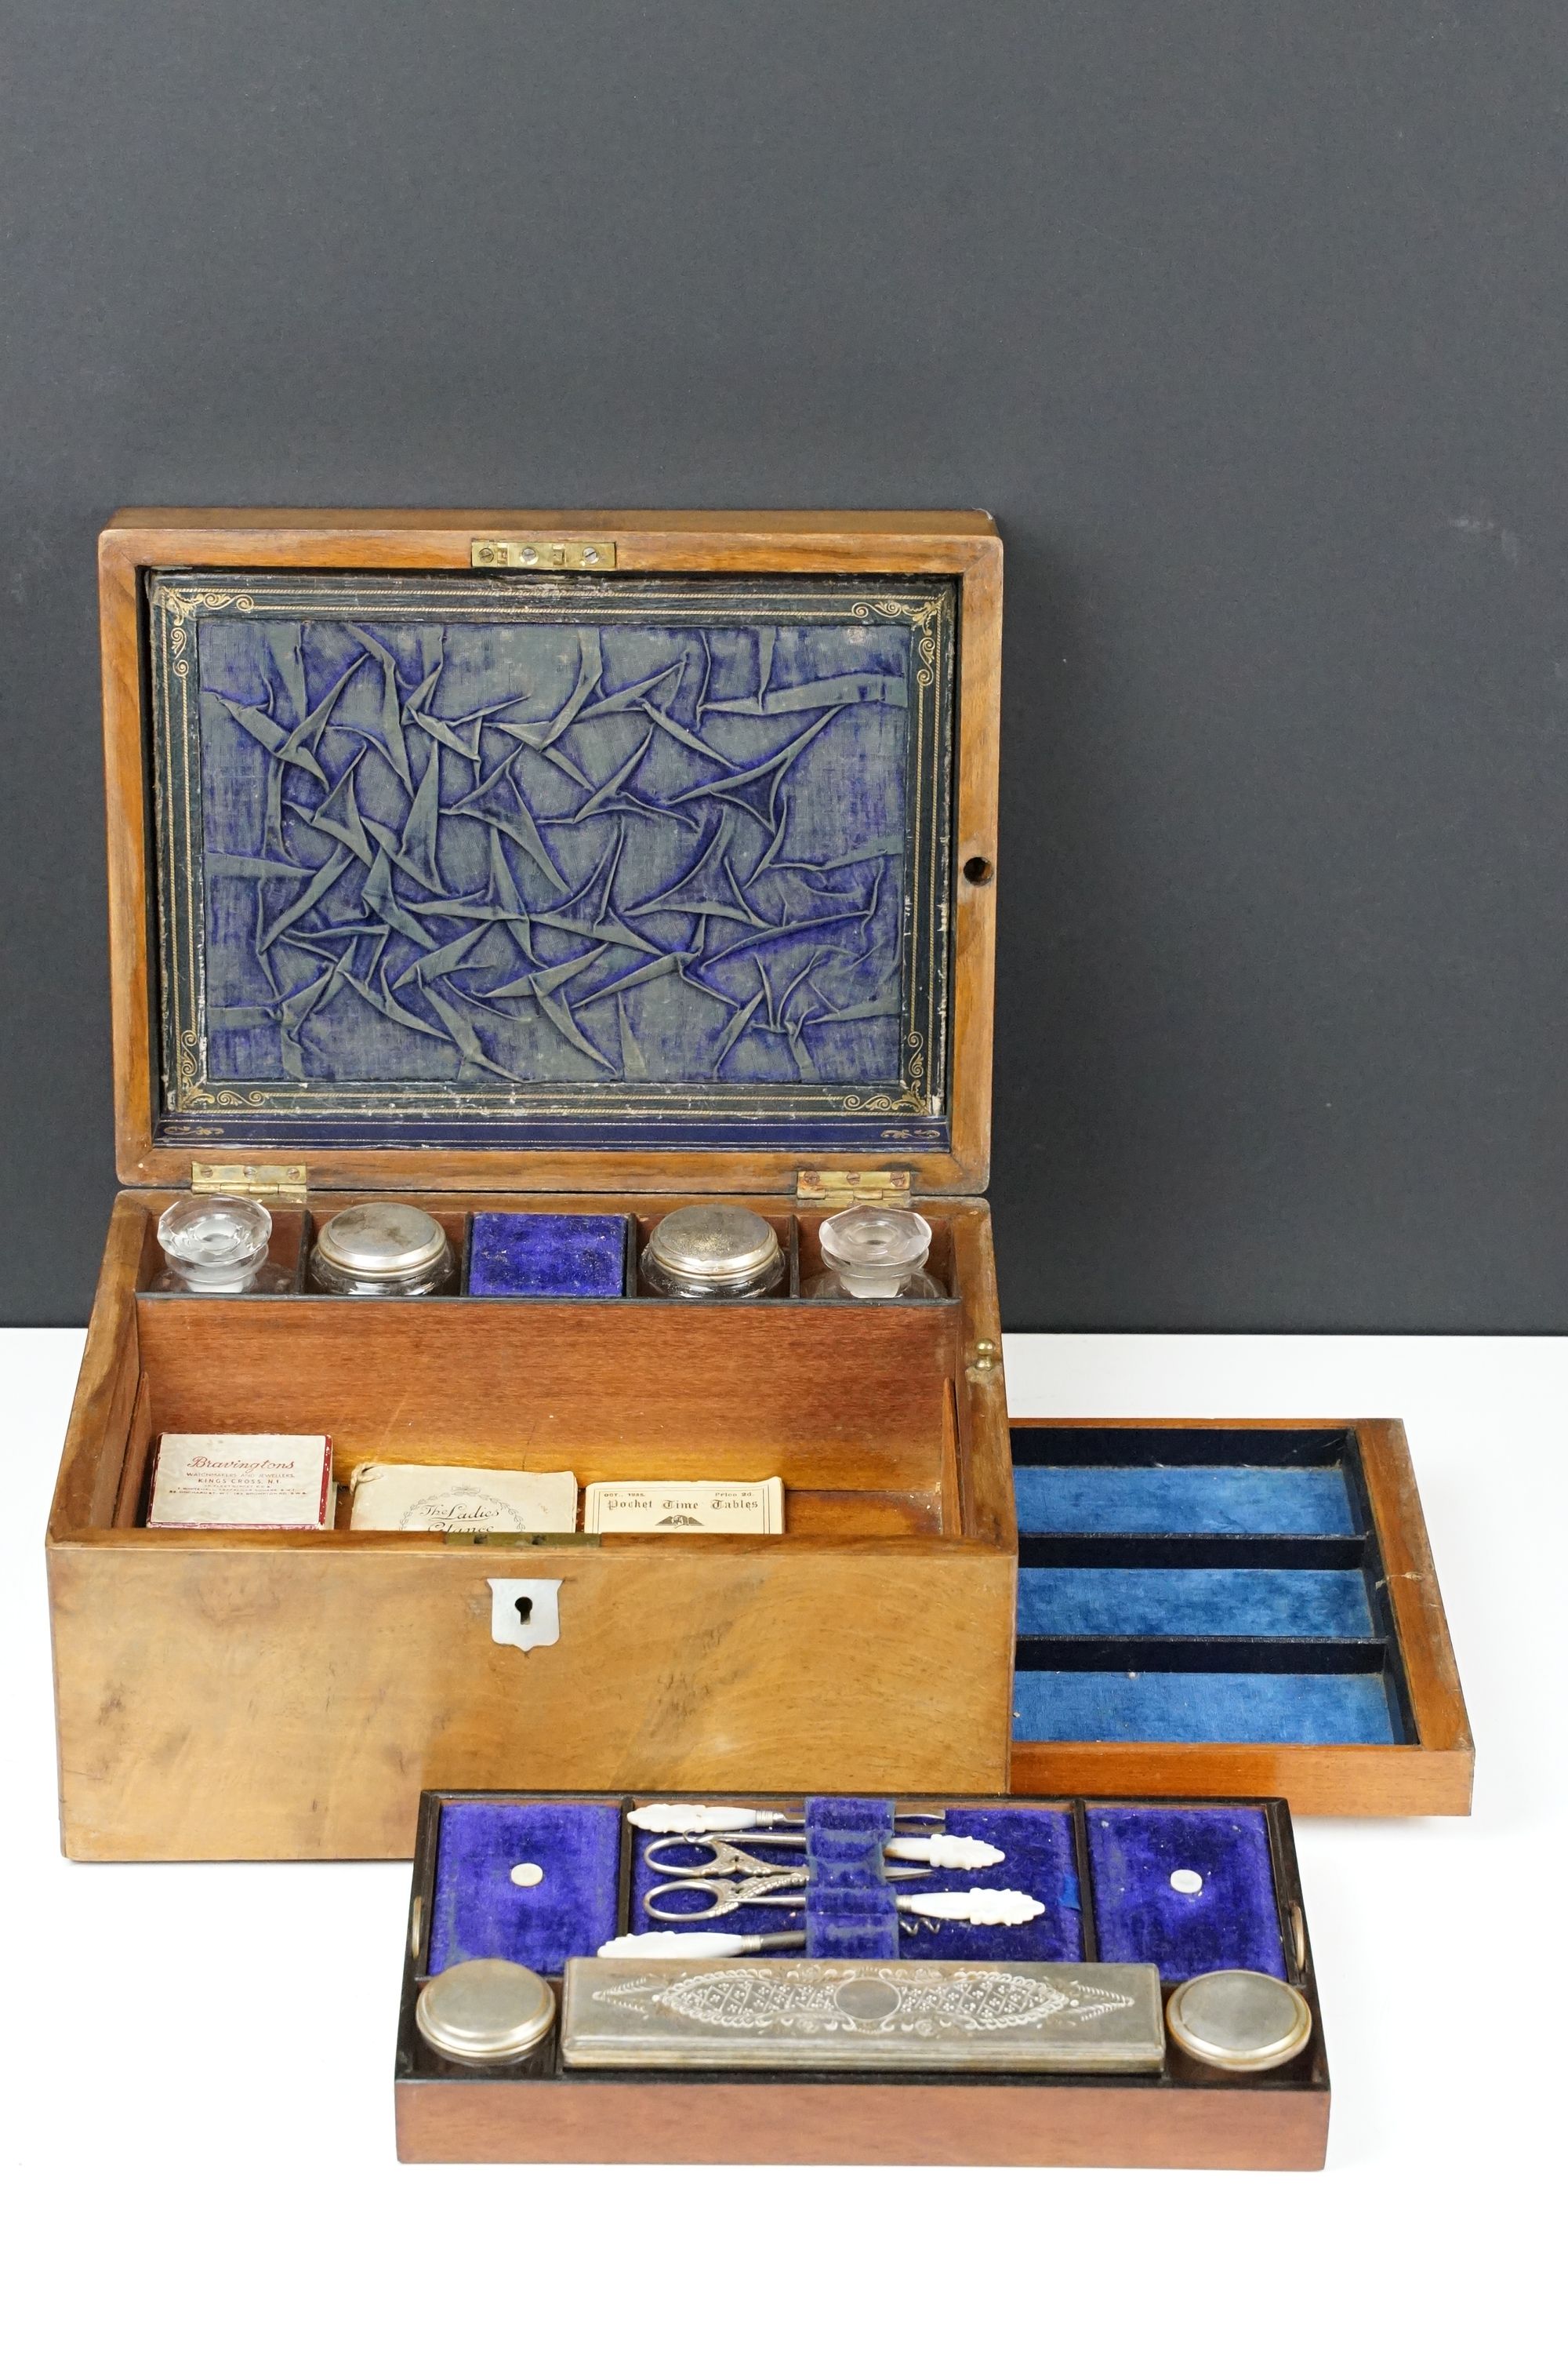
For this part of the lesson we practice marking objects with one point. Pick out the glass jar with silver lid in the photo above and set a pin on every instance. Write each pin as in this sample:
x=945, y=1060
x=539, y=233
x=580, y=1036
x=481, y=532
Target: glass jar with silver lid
x=713, y=1252
x=873, y=1253
x=381, y=1249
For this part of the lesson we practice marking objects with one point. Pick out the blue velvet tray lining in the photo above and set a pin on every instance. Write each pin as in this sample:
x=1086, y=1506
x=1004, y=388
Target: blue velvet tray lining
x=1136, y=1915
x=1256, y=1501
x=1289, y=1600
x=1193, y=1601
x=1201, y=1708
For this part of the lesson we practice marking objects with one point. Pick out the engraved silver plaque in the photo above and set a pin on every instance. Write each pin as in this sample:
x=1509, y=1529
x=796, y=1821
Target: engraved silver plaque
x=814, y=2015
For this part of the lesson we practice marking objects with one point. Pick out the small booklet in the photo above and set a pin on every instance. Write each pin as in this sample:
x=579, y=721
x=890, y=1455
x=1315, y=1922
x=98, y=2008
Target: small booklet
x=242, y=1482
x=387, y=1498
x=684, y=1506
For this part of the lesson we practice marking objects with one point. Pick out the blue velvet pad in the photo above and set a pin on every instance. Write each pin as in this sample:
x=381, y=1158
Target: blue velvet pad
x=829, y=1815
x=1233, y=1921
x=557, y=1253
x=479, y=1912
x=860, y=1921
x=1040, y=1860
x=1256, y=1500
x=1202, y=1707
x=1191, y=1602
x=849, y=1908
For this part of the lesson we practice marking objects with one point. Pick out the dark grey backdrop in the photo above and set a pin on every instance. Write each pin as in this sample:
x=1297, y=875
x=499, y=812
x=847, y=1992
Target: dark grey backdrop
x=1249, y=324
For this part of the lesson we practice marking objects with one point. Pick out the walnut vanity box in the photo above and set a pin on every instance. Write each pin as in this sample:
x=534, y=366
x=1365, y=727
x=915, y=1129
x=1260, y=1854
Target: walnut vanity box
x=1187, y=1887
x=557, y=861
x=591, y=862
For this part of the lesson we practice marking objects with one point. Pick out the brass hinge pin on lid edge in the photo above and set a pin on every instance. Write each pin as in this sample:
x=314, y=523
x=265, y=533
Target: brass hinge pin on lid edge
x=832, y=1191
x=541, y=555
x=274, y=1183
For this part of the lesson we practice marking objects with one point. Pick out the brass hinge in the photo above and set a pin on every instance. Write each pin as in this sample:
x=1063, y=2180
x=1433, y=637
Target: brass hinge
x=543, y=556
x=833, y=1190
x=274, y=1183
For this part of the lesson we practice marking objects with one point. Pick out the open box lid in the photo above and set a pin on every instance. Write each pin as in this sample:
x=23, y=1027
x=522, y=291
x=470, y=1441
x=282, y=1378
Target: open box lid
x=554, y=851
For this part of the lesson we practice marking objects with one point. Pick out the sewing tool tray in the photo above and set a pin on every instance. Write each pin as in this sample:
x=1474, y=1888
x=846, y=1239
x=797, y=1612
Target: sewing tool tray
x=1174, y=1887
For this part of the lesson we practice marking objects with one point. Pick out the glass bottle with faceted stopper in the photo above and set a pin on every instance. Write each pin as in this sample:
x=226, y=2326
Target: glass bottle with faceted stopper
x=214, y=1244
x=875, y=1253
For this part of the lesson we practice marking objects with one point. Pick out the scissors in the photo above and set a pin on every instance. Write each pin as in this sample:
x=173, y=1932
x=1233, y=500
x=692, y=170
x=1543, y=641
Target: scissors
x=758, y=1883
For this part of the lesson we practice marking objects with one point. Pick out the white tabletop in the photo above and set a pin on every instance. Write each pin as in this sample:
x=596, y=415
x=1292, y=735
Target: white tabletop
x=196, y=2168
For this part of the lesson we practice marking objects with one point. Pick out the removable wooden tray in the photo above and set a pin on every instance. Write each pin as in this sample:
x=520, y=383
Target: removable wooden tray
x=1188, y=2117
x=1427, y=1763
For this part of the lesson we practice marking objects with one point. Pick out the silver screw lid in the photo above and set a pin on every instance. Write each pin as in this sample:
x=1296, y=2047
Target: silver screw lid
x=382, y=1241
x=714, y=1241
x=1240, y=2021
x=486, y=2011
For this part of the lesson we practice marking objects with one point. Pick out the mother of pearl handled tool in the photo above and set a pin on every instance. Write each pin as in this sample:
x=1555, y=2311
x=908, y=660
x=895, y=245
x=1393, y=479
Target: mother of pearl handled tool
x=697, y=1945
x=977, y=1906
x=935, y=1851
x=730, y=1819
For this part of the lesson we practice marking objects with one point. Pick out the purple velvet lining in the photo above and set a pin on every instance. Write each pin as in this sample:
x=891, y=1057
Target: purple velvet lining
x=849, y=1908
x=479, y=1912
x=1233, y=1921
x=555, y=1254
x=1040, y=1861
x=858, y=1921
x=847, y=1814
x=850, y=1902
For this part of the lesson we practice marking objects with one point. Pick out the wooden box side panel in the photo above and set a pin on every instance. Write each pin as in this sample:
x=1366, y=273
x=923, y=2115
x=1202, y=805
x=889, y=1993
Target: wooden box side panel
x=1416, y=1602
x=98, y=1431
x=1339, y=1781
x=963, y=544
x=255, y=1704
x=1108, y=2126
x=643, y=1388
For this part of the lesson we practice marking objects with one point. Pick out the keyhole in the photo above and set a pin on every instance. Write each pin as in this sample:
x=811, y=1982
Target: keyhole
x=978, y=869
x=525, y=1608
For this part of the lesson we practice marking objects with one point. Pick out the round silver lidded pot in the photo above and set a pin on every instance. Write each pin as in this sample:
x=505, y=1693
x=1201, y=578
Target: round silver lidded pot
x=485, y=2011
x=712, y=1253
x=215, y=1244
x=1240, y=2021
x=381, y=1249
